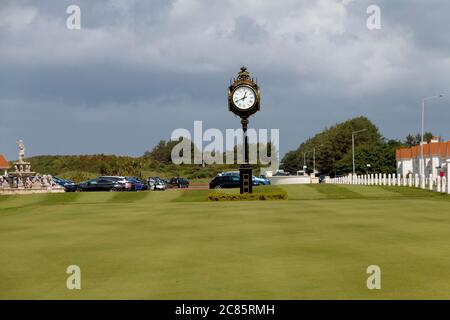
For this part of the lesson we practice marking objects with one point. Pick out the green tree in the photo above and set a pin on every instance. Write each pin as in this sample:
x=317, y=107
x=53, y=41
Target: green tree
x=414, y=140
x=380, y=158
x=332, y=145
x=291, y=161
x=162, y=152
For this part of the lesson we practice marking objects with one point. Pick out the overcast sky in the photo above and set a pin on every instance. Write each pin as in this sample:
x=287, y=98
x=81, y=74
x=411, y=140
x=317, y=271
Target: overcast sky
x=137, y=70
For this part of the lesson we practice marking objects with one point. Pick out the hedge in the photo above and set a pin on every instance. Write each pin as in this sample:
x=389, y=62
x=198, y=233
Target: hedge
x=274, y=195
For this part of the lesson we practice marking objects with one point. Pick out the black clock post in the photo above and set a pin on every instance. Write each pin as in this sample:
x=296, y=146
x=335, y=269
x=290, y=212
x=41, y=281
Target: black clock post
x=245, y=170
x=243, y=101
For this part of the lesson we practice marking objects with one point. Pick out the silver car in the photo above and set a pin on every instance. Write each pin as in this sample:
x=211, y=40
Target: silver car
x=156, y=183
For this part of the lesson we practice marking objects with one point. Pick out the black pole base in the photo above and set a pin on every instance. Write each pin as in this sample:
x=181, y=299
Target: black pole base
x=246, y=180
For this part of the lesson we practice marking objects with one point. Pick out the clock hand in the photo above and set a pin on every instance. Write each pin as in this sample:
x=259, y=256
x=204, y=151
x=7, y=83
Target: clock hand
x=243, y=98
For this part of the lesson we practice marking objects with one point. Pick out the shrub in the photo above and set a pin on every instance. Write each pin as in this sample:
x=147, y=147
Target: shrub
x=78, y=176
x=273, y=195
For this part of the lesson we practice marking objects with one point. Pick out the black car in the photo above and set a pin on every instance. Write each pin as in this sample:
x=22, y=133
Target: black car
x=178, y=183
x=99, y=184
x=227, y=181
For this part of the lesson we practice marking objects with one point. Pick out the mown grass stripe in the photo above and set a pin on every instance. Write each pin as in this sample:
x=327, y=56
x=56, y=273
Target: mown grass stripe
x=60, y=198
x=192, y=196
x=129, y=197
x=337, y=192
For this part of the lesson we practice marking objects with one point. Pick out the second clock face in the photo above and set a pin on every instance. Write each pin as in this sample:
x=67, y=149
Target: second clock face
x=244, y=98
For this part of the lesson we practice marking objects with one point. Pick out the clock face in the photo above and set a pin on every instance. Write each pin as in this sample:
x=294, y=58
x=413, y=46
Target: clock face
x=244, y=98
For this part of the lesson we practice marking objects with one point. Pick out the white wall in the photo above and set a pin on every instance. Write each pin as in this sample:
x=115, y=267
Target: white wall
x=277, y=180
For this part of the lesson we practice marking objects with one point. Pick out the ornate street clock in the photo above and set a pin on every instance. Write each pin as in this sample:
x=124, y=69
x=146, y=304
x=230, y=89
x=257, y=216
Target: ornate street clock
x=243, y=101
x=243, y=95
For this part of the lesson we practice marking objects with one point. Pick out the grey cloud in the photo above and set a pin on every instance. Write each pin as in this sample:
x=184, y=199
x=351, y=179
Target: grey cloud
x=248, y=31
x=139, y=69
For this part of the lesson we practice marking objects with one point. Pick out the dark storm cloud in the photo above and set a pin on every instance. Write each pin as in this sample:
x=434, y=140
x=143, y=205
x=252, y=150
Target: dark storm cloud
x=139, y=69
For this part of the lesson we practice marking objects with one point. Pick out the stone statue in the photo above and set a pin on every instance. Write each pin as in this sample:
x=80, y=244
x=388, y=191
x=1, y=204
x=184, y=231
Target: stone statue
x=28, y=183
x=45, y=180
x=50, y=180
x=21, y=151
x=4, y=181
x=35, y=181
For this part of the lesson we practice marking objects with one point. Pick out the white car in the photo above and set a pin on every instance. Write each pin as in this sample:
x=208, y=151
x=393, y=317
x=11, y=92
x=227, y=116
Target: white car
x=121, y=180
x=159, y=186
x=156, y=183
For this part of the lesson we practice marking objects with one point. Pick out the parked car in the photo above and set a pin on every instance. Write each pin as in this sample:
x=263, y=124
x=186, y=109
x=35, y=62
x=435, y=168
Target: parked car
x=229, y=173
x=281, y=173
x=156, y=183
x=62, y=182
x=225, y=181
x=119, y=179
x=178, y=183
x=98, y=184
x=137, y=184
x=261, y=181
x=151, y=181
x=255, y=181
x=159, y=185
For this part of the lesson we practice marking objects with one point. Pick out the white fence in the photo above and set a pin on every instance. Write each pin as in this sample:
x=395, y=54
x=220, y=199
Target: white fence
x=439, y=184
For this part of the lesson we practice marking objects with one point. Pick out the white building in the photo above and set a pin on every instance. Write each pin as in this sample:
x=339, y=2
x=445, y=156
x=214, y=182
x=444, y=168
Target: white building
x=435, y=155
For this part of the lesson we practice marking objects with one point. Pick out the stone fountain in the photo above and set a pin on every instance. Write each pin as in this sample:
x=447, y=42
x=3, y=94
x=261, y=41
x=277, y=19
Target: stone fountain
x=23, y=180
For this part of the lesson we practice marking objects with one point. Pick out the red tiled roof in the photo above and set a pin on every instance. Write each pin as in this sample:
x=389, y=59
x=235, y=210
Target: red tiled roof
x=435, y=148
x=415, y=151
x=444, y=149
x=426, y=150
x=441, y=149
x=3, y=163
x=403, y=153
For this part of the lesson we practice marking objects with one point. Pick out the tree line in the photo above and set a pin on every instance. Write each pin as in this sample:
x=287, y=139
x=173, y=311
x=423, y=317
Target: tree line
x=333, y=150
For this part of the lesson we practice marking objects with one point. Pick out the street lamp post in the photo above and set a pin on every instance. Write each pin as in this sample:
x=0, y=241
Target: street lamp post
x=353, y=147
x=422, y=157
x=314, y=161
x=304, y=161
x=314, y=158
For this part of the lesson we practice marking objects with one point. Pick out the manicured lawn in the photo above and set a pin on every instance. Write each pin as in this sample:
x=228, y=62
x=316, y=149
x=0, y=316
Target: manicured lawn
x=176, y=245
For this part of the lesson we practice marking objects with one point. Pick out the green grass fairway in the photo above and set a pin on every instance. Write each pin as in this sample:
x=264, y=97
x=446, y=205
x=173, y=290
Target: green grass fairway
x=176, y=245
